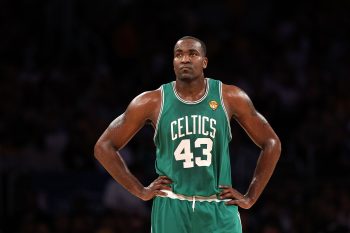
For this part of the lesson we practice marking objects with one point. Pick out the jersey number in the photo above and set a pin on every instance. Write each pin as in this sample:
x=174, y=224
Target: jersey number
x=183, y=152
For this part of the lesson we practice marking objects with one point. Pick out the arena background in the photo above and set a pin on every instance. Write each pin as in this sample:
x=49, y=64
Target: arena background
x=69, y=67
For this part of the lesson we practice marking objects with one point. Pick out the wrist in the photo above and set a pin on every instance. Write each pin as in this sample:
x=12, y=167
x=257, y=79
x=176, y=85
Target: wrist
x=140, y=192
x=249, y=199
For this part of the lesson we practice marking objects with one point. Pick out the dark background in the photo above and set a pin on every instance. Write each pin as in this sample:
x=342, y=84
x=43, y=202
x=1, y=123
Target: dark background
x=69, y=67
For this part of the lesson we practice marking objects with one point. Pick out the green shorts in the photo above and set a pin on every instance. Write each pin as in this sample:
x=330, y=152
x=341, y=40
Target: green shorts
x=185, y=216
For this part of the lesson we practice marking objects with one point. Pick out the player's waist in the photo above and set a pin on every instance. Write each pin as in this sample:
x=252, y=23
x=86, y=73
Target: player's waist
x=182, y=197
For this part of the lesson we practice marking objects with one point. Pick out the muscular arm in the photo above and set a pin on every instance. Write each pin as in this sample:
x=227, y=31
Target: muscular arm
x=240, y=107
x=143, y=108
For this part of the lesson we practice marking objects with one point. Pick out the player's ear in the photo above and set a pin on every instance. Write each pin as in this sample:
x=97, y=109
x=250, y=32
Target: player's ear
x=205, y=63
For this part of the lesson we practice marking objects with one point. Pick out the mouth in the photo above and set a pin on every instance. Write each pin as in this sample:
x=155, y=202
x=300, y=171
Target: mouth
x=186, y=68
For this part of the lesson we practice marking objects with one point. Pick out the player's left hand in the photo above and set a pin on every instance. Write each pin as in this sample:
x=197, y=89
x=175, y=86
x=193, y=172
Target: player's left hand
x=236, y=197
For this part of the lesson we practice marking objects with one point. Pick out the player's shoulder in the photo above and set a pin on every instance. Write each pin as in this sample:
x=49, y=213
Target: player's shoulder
x=235, y=99
x=148, y=97
x=233, y=91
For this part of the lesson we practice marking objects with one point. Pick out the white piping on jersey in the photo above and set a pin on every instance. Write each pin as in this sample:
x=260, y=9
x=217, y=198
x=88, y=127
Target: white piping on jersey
x=159, y=114
x=192, y=102
x=223, y=106
x=240, y=220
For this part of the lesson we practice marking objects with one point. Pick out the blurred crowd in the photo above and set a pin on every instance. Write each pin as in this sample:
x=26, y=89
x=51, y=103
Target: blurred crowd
x=69, y=67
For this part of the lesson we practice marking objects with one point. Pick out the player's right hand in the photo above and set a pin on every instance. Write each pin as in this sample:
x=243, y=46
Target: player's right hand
x=154, y=189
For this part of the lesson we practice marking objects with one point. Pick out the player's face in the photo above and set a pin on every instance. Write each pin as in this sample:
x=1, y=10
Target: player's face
x=189, y=60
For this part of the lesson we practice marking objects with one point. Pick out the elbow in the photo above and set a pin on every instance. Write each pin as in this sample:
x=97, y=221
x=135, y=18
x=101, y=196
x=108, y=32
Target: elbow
x=98, y=150
x=103, y=148
x=273, y=146
x=277, y=146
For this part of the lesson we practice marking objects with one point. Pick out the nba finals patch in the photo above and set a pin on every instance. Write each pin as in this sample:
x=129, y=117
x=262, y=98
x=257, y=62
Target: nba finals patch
x=213, y=105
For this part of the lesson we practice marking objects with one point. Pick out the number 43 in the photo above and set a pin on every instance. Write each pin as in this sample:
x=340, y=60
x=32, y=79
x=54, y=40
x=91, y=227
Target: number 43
x=183, y=152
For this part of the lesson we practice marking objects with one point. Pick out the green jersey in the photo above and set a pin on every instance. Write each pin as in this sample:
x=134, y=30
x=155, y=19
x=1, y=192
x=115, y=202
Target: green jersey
x=192, y=140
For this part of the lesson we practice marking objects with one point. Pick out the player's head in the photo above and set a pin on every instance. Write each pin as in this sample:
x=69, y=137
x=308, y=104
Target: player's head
x=189, y=58
x=203, y=46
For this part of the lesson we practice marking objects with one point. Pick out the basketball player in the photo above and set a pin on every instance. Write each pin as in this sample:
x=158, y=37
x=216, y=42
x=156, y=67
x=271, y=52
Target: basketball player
x=191, y=117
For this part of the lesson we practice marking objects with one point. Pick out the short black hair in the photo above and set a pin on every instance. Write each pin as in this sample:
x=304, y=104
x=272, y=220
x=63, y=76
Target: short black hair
x=204, y=47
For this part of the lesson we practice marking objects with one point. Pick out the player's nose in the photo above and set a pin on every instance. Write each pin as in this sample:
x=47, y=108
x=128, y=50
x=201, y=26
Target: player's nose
x=185, y=58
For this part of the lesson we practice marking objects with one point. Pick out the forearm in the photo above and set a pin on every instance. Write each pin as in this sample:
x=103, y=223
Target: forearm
x=264, y=169
x=111, y=160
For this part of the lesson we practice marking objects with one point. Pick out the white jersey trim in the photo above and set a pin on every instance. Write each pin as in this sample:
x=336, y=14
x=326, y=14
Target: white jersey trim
x=160, y=113
x=192, y=102
x=223, y=106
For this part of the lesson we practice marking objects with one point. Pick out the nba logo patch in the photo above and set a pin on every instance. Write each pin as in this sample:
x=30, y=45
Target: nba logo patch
x=213, y=105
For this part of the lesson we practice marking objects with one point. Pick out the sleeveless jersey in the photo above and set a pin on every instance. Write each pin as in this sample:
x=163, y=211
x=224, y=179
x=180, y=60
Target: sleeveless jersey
x=192, y=141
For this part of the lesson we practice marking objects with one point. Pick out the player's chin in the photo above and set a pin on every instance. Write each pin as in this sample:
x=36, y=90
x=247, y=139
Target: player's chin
x=185, y=77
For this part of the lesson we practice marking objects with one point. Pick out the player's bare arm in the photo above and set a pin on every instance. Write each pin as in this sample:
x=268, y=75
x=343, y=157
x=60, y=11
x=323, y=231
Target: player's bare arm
x=142, y=109
x=240, y=107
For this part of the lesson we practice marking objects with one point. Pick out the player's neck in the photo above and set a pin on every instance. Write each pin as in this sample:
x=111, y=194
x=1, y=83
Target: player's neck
x=191, y=90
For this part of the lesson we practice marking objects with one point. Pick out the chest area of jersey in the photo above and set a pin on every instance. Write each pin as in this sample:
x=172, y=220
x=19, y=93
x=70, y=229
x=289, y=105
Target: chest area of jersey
x=192, y=125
